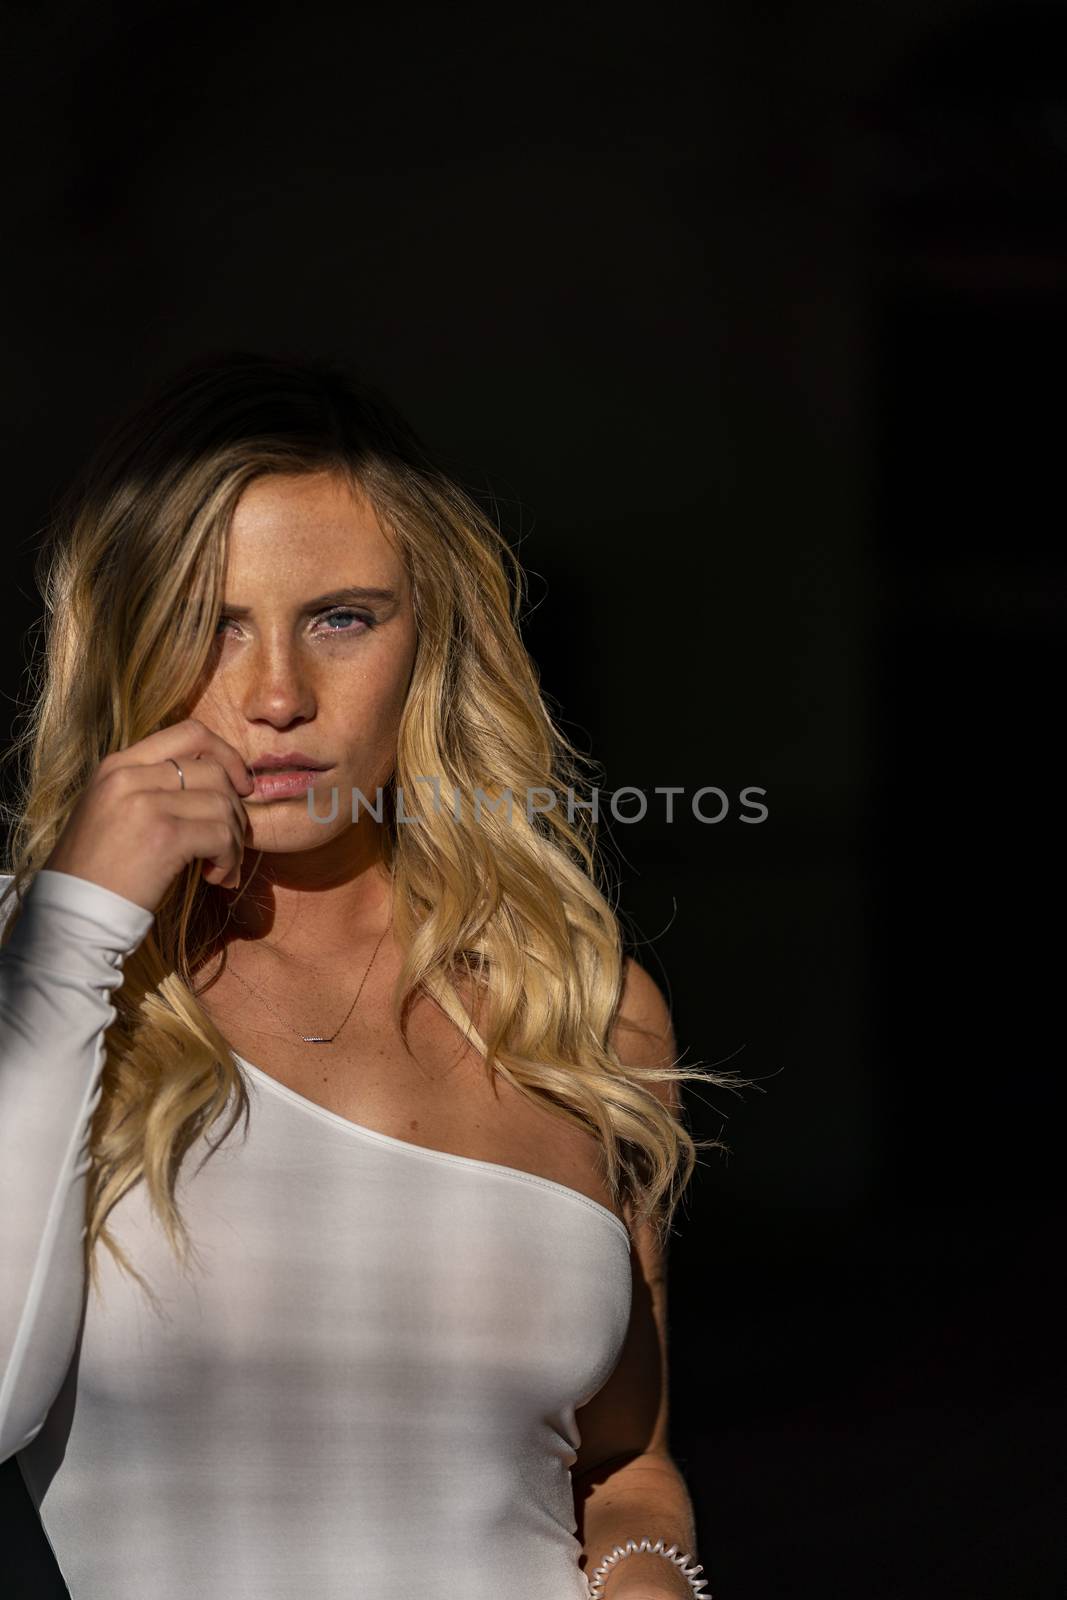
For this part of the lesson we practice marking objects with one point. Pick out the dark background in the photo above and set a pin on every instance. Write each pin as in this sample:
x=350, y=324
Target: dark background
x=751, y=321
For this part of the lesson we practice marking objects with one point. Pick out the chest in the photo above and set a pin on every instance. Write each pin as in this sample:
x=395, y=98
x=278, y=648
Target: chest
x=431, y=1089
x=374, y=1339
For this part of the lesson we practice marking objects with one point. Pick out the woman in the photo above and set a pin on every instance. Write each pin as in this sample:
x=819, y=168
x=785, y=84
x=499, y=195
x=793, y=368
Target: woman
x=404, y=1332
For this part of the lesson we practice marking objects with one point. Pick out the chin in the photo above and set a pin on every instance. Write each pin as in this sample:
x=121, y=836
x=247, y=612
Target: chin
x=281, y=835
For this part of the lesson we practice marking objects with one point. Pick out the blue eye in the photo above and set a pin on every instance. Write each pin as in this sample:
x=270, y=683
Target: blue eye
x=345, y=611
x=339, y=613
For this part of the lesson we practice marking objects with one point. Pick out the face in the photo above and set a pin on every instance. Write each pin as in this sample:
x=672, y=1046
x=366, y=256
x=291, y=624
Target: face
x=300, y=667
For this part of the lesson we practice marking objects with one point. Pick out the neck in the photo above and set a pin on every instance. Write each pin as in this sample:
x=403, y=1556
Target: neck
x=314, y=905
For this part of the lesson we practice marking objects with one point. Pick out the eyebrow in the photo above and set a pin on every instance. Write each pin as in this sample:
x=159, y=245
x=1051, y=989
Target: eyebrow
x=335, y=597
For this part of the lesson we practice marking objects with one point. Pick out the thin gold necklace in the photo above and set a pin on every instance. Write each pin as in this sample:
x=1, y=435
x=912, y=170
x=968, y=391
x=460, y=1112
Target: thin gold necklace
x=316, y=1038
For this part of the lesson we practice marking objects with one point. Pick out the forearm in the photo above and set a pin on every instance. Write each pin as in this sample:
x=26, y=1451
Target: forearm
x=646, y=1496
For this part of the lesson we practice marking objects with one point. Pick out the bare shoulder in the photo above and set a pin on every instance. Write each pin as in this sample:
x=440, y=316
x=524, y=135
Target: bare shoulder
x=643, y=1031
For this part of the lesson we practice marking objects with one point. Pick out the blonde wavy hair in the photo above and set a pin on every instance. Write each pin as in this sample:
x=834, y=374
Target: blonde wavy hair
x=132, y=581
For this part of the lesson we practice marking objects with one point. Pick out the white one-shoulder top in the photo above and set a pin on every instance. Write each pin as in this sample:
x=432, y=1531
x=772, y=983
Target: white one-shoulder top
x=366, y=1391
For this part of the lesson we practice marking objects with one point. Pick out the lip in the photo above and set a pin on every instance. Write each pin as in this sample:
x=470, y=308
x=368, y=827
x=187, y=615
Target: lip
x=279, y=784
x=287, y=761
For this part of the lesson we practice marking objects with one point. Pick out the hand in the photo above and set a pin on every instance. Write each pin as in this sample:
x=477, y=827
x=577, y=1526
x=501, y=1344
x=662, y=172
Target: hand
x=644, y=1575
x=646, y=1589
x=134, y=828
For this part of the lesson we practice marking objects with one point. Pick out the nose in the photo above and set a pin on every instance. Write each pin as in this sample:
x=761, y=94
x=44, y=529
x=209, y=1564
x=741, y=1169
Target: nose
x=277, y=685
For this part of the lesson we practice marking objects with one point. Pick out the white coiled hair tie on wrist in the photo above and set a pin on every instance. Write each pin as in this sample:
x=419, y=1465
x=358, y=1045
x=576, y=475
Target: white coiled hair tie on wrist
x=633, y=1547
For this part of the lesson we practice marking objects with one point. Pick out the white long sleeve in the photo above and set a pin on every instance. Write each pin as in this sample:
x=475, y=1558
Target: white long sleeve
x=57, y=976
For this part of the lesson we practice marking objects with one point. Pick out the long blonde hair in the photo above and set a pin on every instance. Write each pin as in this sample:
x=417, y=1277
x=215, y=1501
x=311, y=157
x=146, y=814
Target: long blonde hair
x=131, y=578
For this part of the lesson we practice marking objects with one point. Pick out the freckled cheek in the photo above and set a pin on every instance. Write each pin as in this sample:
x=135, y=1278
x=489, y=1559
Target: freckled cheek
x=215, y=711
x=370, y=707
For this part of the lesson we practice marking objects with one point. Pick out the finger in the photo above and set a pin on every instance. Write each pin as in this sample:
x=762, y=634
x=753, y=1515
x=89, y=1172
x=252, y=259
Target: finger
x=203, y=775
x=209, y=810
x=215, y=845
x=216, y=842
x=193, y=739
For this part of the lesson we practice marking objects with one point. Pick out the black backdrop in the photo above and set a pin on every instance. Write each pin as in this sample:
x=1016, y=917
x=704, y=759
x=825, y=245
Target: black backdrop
x=749, y=321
